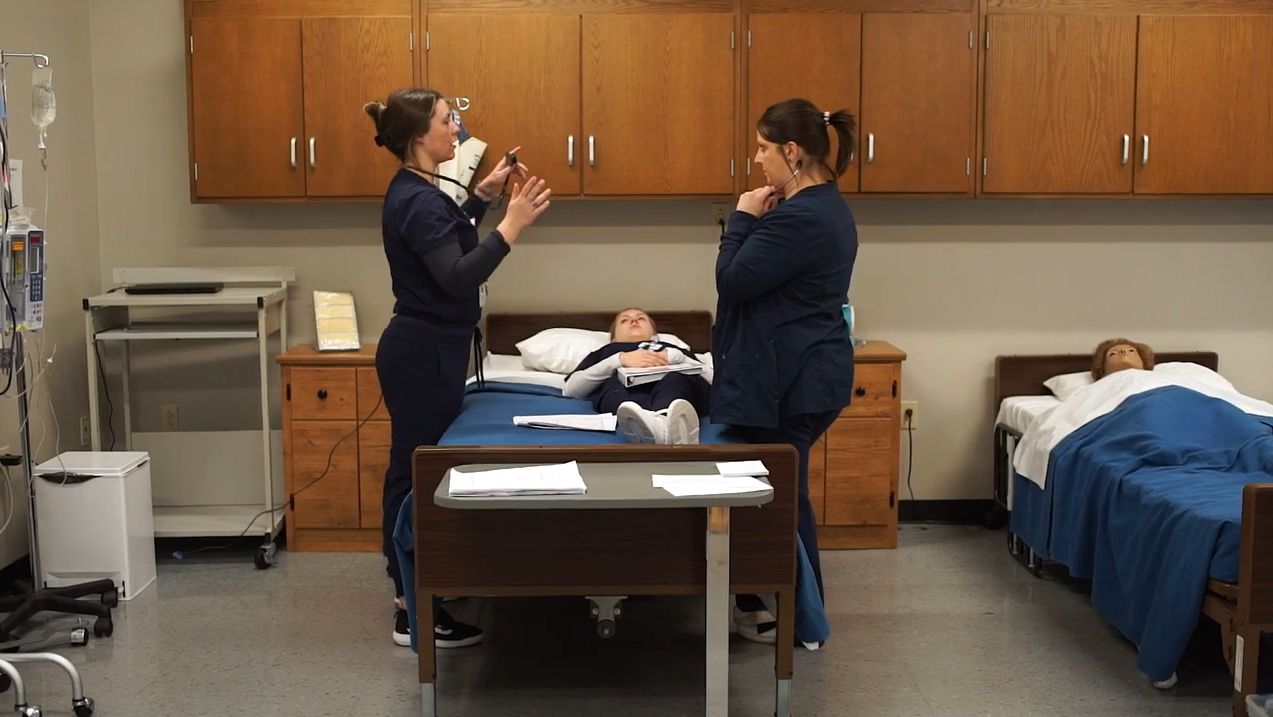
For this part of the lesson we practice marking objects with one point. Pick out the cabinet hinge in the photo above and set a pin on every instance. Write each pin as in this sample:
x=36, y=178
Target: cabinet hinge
x=192, y=44
x=289, y=391
x=892, y=499
x=196, y=171
x=895, y=389
x=411, y=41
x=731, y=167
x=731, y=39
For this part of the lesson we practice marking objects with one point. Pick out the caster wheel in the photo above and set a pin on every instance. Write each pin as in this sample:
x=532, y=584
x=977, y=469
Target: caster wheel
x=264, y=557
x=110, y=598
x=79, y=637
x=5, y=683
x=103, y=627
x=84, y=707
x=29, y=711
x=605, y=628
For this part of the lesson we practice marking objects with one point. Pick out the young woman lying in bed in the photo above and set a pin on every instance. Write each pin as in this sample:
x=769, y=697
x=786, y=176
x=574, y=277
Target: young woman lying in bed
x=587, y=364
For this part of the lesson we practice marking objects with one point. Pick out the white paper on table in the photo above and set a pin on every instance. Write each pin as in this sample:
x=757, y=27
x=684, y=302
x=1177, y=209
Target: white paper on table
x=742, y=468
x=556, y=479
x=691, y=485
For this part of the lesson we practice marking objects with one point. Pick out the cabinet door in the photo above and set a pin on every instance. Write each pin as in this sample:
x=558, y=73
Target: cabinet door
x=522, y=73
x=658, y=104
x=918, y=100
x=373, y=460
x=1059, y=103
x=1204, y=105
x=245, y=108
x=861, y=472
x=815, y=56
x=349, y=61
x=326, y=496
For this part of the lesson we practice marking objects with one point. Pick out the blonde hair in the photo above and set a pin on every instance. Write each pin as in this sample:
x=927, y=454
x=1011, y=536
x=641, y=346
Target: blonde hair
x=614, y=323
x=1098, y=356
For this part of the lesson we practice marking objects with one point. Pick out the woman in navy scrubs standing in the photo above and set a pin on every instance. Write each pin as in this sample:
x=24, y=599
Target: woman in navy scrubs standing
x=784, y=360
x=437, y=265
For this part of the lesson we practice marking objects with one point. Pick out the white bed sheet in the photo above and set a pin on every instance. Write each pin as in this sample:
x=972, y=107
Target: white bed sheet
x=509, y=369
x=1018, y=412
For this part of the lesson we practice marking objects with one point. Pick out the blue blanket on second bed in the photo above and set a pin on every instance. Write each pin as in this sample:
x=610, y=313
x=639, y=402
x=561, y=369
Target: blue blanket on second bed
x=1147, y=503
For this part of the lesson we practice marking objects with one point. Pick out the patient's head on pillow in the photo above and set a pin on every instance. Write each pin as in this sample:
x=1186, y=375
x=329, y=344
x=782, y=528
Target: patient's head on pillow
x=632, y=325
x=1118, y=354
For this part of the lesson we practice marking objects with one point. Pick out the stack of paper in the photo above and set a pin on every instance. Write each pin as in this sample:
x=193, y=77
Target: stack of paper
x=681, y=486
x=557, y=479
x=742, y=468
x=583, y=422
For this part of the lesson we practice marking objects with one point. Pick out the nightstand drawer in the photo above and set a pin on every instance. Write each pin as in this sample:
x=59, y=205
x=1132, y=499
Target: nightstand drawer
x=323, y=393
x=875, y=391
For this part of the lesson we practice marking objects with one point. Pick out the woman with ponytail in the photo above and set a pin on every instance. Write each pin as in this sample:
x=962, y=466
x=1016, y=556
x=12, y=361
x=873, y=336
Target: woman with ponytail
x=437, y=265
x=784, y=361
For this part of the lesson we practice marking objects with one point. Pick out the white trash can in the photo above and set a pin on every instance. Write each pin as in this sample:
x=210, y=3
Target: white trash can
x=94, y=520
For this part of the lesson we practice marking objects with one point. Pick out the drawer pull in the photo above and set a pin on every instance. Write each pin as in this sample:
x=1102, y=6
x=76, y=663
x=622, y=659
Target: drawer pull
x=860, y=392
x=322, y=394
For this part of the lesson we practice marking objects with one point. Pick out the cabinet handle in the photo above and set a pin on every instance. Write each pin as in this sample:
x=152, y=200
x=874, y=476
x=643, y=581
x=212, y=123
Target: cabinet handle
x=322, y=394
x=592, y=151
x=1144, y=154
x=860, y=392
x=570, y=150
x=1127, y=148
x=870, y=147
x=293, y=153
x=313, y=161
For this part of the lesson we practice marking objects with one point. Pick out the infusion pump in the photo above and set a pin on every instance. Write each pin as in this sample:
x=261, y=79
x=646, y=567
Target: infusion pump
x=23, y=279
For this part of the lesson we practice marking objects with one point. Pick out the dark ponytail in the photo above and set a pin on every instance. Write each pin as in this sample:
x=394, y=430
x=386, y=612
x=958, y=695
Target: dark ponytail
x=800, y=121
x=403, y=118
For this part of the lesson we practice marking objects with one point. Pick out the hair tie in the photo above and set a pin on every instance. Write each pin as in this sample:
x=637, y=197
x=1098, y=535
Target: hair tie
x=380, y=141
x=826, y=118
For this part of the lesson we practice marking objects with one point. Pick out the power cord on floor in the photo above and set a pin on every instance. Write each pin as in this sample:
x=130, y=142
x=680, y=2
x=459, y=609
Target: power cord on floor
x=909, y=415
x=291, y=500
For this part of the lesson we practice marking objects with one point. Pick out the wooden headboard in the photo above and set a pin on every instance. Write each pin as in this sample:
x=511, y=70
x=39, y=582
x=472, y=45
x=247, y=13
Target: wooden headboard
x=503, y=331
x=1024, y=375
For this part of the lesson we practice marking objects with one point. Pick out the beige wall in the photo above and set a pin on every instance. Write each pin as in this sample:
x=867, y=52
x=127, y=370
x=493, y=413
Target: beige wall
x=58, y=28
x=952, y=283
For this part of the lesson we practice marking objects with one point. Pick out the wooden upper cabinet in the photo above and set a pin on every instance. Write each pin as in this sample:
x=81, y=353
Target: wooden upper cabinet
x=815, y=56
x=245, y=108
x=349, y=61
x=918, y=103
x=1204, y=105
x=522, y=73
x=658, y=104
x=1059, y=103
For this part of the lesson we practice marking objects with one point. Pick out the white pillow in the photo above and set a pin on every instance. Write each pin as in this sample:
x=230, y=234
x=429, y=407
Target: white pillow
x=1064, y=385
x=560, y=349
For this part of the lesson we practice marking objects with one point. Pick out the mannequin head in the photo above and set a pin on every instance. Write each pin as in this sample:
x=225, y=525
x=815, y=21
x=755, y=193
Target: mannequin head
x=1119, y=354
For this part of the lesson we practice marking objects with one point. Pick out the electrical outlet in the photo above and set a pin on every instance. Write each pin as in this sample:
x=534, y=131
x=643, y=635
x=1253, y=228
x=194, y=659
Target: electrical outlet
x=171, y=417
x=719, y=213
x=910, y=415
x=86, y=431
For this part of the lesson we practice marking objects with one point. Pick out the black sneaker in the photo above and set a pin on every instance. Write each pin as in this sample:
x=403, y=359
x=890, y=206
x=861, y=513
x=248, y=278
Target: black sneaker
x=401, y=628
x=449, y=632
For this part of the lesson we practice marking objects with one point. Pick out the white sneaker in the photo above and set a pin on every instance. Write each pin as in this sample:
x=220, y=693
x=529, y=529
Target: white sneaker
x=640, y=425
x=759, y=626
x=682, y=423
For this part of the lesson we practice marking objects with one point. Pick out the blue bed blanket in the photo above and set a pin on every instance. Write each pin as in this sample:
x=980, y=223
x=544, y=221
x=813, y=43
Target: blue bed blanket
x=486, y=419
x=1147, y=504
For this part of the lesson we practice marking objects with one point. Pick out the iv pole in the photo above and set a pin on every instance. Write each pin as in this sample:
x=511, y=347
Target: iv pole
x=64, y=600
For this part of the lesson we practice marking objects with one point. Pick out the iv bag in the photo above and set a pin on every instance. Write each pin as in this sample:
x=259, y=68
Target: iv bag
x=43, y=103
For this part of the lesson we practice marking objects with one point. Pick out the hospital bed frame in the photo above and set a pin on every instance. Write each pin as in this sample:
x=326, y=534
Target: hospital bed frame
x=631, y=552
x=1244, y=610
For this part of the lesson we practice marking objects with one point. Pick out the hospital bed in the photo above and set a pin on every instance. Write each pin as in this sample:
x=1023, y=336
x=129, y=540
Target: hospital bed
x=628, y=553
x=1236, y=587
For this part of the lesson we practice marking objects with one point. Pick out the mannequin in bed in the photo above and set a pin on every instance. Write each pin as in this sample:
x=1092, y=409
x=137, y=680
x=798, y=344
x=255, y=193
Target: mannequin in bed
x=663, y=411
x=1119, y=354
